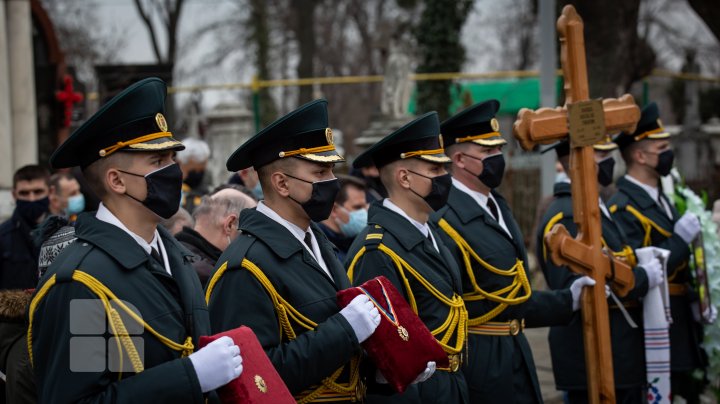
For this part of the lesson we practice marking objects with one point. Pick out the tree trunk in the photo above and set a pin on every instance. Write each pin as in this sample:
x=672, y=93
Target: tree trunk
x=305, y=35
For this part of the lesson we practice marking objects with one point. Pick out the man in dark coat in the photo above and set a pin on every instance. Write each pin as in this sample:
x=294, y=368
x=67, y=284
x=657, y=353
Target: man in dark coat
x=566, y=342
x=18, y=252
x=486, y=243
x=280, y=277
x=118, y=315
x=216, y=226
x=401, y=245
x=649, y=219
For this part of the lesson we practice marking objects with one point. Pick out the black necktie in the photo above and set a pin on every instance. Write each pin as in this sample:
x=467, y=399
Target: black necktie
x=308, y=240
x=156, y=256
x=493, y=208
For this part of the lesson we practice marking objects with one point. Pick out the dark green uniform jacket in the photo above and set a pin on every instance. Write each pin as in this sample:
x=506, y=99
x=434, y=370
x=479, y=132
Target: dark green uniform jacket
x=172, y=305
x=566, y=342
x=439, y=269
x=238, y=298
x=685, y=333
x=499, y=369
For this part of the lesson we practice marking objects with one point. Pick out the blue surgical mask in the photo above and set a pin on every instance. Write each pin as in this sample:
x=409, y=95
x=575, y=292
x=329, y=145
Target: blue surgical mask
x=257, y=191
x=356, y=223
x=76, y=204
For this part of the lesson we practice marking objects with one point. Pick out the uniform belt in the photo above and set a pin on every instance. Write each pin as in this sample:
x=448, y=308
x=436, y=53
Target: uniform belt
x=329, y=396
x=455, y=360
x=630, y=304
x=498, y=328
x=677, y=289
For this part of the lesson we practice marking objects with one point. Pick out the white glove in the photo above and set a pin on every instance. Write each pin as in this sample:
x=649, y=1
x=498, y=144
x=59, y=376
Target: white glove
x=687, y=227
x=654, y=271
x=576, y=288
x=362, y=315
x=709, y=315
x=217, y=364
x=426, y=374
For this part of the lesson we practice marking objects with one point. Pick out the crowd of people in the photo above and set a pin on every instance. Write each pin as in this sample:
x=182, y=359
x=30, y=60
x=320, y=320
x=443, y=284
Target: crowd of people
x=128, y=216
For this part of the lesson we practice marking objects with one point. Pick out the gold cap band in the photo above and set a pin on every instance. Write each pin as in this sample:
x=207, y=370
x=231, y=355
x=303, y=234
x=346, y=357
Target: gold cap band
x=310, y=150
x=119, y=145
x=478, y=137
x=407, y=155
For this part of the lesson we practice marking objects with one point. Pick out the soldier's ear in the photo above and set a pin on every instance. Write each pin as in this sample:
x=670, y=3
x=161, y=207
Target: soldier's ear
x=279, y=182
x=114, y=181
x=639, y=155
x=401, y=177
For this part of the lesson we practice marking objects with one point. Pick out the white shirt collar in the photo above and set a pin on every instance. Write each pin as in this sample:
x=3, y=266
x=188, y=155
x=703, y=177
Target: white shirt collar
x=422, y=227
x=298, y=233
x=652, y=191
x=105, y=215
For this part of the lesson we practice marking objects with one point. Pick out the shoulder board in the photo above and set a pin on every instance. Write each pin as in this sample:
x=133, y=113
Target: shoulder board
x=240, y=247
x=374, y=237
x=68, y=263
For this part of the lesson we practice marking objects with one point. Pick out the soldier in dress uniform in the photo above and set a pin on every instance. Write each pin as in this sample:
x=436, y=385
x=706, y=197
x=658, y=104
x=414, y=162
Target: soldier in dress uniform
x=126, y=272
x=649, y=219
x=486, y=243
x=566, y=342
x=281, y=275
x=400, y=244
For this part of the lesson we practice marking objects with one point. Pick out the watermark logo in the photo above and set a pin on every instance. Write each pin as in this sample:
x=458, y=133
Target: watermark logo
x=97, y=346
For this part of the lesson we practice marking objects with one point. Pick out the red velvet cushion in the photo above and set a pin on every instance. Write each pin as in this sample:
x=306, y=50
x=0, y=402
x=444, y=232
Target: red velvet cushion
x=259, y=381
x=399, y=361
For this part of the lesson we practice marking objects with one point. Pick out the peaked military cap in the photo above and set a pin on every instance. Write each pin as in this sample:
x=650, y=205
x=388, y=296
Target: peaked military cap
x=420, y=138
x=303, y=133
x=562, y=148
x=476, y=124
x=649, y=127
x=131, y=121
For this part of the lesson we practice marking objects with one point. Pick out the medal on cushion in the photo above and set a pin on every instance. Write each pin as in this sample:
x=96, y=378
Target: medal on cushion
x=389, y=313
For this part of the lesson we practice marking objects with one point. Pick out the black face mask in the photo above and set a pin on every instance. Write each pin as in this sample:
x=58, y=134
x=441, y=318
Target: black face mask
x=194, y=178
x=605, y=171
x=665, y=162
x=493, y=170
x=31, y=211
x=164, y=190
x=439, y=191
x=322, y=200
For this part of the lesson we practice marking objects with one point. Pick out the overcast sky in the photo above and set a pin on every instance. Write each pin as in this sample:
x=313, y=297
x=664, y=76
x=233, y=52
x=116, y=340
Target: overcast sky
x=480, y=36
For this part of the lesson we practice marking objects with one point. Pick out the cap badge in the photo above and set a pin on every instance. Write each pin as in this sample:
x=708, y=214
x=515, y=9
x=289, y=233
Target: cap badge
x=161, y=122
x=329, y=136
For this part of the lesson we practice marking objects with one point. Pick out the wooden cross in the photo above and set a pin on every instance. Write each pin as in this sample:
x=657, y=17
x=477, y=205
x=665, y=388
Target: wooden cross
x=68, y=98
x=584, y=254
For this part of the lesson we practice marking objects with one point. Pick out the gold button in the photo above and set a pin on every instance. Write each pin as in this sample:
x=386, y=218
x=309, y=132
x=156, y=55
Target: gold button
x=454, y=362
x=514, y=327
x=360, y=390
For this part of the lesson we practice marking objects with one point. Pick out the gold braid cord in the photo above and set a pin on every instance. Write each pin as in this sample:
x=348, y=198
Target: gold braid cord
x=329, y=389
x=108, y=299
x=506, y=296
x=648, y=225
x=456, y=322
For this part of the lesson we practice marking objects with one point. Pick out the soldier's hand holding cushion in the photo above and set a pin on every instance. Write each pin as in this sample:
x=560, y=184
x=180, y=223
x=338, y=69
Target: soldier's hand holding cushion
x=363, y=317
x=217, y=364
